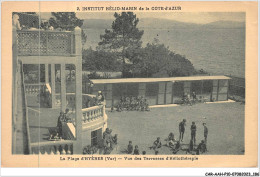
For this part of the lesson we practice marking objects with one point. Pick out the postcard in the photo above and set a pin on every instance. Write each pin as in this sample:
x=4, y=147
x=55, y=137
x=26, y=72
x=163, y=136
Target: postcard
x=129, y=84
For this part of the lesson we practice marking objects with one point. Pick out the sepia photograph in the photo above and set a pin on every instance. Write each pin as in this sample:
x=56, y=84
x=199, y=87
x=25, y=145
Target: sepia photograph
x=128, y=83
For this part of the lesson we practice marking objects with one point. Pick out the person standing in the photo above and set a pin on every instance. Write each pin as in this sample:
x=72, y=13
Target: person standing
x=182, y=129
x=205, y=132
x=130, y=148
x=193, y=129
x=59, y=124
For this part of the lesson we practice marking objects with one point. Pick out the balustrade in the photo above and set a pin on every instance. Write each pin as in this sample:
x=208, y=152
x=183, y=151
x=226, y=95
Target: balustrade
x=33, y=89
x=92, y=113
x=52, y=148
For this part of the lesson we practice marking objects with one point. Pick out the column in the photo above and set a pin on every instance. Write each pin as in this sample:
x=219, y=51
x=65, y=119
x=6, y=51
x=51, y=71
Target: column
x=46, y=73
x=78, y=66
x=63, y=87
x=53, y=98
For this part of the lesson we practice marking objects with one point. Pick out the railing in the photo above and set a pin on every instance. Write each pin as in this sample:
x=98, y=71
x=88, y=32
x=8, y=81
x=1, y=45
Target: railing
x=34, y=89
x=92, y=113
x=52, y=147
x=87, y=100
x=39, y=42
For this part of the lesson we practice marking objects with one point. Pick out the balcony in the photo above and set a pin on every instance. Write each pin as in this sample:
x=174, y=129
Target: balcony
x=45, y=43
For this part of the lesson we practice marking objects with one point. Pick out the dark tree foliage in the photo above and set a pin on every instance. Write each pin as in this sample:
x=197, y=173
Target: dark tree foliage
x=65, y=20
x=99, y=60
x=156, y=58
x=124, y=39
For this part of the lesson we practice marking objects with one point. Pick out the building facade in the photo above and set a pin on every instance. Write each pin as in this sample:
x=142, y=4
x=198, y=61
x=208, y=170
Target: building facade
x=54, y=49
x=159, y=91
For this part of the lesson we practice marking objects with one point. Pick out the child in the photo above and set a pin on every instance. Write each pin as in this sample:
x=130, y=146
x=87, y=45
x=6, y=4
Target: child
x=190, y=149
x=57, y=137
x=177, y=148
x=136, y=151
x=202, y=147
x=130, y=148
x=157, y=143
x=170, y=140
x=205, y=132
x=115, y=139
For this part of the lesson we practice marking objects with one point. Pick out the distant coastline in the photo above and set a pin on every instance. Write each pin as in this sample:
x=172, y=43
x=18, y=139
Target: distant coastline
x=216, y=47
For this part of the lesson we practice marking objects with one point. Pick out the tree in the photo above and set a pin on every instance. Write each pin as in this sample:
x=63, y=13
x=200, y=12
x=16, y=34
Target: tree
x=157, y=59
x=99, y=60
x=123, y=39
x=67, y=21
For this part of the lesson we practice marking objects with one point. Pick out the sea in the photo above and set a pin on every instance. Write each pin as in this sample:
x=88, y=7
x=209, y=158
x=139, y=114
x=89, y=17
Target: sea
x=219, y=51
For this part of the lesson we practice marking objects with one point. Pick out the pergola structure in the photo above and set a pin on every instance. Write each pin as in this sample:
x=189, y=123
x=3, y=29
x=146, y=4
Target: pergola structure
x=52, y=48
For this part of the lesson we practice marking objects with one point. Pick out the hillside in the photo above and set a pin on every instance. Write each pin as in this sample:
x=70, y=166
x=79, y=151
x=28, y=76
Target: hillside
x=155, y=23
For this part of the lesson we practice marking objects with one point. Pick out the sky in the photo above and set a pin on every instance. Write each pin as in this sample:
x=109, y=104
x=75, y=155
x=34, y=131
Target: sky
x=188, y=17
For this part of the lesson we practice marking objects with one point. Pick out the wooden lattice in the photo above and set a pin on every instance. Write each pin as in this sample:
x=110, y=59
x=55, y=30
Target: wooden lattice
x=45, y=43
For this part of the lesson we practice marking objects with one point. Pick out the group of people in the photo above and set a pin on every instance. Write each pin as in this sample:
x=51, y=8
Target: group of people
x=109, y=141
x=132, y=150
x=63, y=117
x=202, y=147
x=132, y=103
x=188, y=99
x=175, y=145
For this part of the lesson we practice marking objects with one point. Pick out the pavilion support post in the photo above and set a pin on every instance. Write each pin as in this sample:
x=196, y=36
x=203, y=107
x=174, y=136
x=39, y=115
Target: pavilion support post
x=46, y=73
x=53, y=98
x=63, y=87
x=78, y=149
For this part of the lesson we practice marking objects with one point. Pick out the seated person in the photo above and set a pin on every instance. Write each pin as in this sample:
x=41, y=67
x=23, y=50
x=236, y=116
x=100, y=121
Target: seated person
x=146, y=107
x=112, y=109
x=202, y=147
x=100, y=98
x=136, y=150
x=66, y=116
x=190, y=149
x=156, y=144
x=130, y=148
x=176, y=148
x=51, y=137
x=54, y=137
x=170, y=141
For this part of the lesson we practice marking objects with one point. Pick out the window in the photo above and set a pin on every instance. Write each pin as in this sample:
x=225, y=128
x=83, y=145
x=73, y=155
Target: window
x=96, y=137
x=152, y=89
